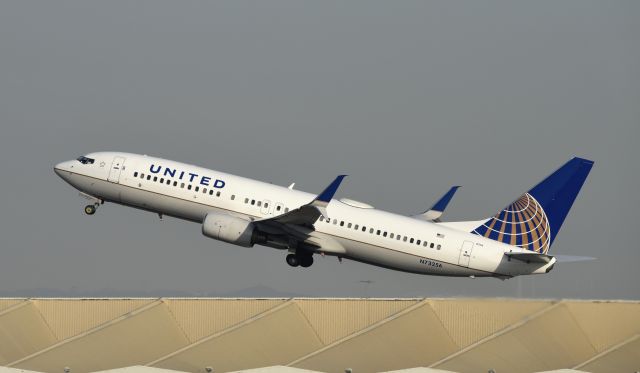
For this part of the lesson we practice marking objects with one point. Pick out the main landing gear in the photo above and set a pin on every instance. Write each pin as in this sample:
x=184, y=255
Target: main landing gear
x=304, y=260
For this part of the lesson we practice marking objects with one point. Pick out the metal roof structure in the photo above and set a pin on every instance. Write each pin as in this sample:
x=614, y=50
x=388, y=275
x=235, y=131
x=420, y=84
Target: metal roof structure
x=328, y=335
x=138, y=369
x=420, y=370
x=277, y=369
x=14, y=370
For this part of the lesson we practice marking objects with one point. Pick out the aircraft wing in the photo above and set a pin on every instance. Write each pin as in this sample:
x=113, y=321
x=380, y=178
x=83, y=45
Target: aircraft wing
x=296, y=225
x=306, y=215
x=436, y=211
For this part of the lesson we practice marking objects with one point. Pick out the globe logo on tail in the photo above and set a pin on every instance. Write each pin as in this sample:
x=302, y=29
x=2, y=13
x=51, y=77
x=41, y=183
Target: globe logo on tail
x=523, y=223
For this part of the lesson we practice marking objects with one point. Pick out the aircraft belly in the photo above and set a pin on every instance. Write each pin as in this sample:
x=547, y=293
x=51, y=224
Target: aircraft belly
x=165, y=204
x=398, y=260
x=95, y=187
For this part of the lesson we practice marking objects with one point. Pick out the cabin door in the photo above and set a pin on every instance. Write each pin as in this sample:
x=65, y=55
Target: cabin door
x=465, y=253
x=116, y=169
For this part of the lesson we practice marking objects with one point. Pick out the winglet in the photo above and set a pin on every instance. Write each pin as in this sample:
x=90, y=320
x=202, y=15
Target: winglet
x=444, y=201
x=328, y=192
x=435, y=212
x=323, y=199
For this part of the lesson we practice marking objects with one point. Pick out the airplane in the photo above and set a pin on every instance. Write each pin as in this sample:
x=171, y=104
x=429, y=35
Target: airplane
x=247, y=212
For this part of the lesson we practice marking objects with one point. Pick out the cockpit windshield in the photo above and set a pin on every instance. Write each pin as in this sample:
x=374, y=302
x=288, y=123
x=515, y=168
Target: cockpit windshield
x=85, y=160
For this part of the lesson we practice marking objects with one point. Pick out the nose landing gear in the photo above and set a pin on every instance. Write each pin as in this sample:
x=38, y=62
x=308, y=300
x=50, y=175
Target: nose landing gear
x=90, y=209
x=94, y=203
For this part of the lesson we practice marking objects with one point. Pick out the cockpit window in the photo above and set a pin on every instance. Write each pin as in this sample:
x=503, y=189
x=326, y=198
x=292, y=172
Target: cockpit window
x=86, y=160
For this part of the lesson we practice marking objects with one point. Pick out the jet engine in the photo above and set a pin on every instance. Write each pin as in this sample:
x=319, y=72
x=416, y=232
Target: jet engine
x=231, y=229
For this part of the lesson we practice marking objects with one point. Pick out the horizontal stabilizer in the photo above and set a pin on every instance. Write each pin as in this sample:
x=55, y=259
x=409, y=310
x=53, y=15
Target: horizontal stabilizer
x=436, y=211
x=530, y=257
x=543, y=258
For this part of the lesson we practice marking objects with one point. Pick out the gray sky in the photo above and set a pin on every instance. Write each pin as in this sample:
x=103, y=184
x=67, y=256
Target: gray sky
x=408, y=98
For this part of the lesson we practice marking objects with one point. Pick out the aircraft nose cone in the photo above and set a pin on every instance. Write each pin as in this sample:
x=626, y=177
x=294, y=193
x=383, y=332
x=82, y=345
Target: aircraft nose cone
x=62, y=166
x=62, y=169
x=57, y=169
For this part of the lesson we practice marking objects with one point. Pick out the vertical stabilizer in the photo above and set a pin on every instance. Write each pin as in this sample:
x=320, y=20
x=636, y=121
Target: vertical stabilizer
x=533, y=220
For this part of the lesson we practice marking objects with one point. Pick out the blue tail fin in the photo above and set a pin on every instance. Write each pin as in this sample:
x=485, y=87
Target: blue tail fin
x=533, y=220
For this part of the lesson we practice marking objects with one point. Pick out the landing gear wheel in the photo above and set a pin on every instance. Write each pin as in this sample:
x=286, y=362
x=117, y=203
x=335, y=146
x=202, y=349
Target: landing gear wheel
x=293, y=260
x=306, y=261
x=90, y=209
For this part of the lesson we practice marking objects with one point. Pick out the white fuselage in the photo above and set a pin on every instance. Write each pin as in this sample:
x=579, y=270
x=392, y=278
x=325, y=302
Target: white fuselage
x=360, y=233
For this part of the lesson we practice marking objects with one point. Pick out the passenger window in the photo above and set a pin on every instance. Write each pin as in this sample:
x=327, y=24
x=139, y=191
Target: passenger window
x=197, y=188
x=349, y=225
x=246, y=200
x=364, y=229
x=391, y=235
x=175, y=183
x=378, y=232
x=218, y=194
x=211, y=192
x=341, y=223
x=438, y=247
x=259, y=203
x=411, y=240
x=135, y=174
x=148, y=177
x=286, y=209
x=182, y=185
x=204, y=190
x=253, y=202
x=425, y=243
x=266, y=204
x=278, y=207
x=431, y=246
x=384, y=234
x=189, y=187
x=168, y=182
x=155, y=178
x=233, y=196
x=162, y=180
x=355, y=227
x=398, y=237
x=404, y=238
x=370, y=230
x=335, y=221
x=321, y=218
x=142, y=176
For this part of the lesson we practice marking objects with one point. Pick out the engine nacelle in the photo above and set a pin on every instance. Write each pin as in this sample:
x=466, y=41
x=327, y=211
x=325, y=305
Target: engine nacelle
x=230, y=229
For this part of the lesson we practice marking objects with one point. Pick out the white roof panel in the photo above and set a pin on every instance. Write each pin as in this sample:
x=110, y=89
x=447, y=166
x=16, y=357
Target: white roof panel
x=275, y=369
